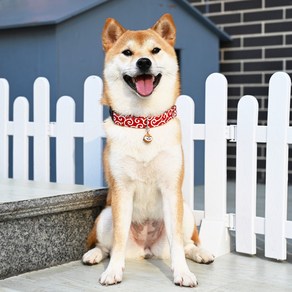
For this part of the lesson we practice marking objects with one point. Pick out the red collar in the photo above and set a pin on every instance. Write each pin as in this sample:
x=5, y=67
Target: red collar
x=143, y=122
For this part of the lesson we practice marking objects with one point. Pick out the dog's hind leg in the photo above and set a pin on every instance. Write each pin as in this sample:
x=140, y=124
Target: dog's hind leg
x=99, y=240
x=192, y=245
x=95, y=256
x=198, y=254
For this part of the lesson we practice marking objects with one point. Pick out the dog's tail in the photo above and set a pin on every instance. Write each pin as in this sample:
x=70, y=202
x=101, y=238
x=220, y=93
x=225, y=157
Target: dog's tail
x=92, y=237
x=195, y=236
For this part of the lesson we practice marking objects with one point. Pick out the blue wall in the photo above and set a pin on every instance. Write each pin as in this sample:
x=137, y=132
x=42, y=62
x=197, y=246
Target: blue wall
x=26, y=54
x=67, y=53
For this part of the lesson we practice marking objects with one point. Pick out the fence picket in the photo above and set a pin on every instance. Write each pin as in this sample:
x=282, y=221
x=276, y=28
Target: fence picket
x=277, y=166
x=93, y=120
x=4, y=110
x=41, y=112
x=20, y=138
x=215, y=166
x=65, y=155
x=215, y=146
x=186, y=114
x=246, y=173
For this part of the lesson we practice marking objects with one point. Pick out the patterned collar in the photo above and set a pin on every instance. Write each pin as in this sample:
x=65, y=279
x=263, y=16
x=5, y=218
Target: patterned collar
x=144, y=122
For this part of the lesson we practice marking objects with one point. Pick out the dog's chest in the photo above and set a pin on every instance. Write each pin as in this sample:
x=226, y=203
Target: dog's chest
x=140, y=160
x=145, y=168
x=147, y=202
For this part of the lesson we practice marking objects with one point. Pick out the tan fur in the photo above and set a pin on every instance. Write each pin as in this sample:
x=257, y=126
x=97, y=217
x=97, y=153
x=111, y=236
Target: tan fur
x=92, y=237
x=108, y=176
x=111, y=33
x=145, y=207
x=165, y=30
x=195, y=236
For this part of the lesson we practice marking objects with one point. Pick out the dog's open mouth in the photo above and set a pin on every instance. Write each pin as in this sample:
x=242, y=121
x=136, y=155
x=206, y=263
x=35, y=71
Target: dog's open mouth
x=143, y=84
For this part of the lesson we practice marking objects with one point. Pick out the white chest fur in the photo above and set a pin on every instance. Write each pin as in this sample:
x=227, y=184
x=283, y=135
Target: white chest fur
x=143, y=167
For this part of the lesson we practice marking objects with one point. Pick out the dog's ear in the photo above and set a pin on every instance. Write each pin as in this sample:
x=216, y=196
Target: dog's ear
x=112, y=31
x=165, y=27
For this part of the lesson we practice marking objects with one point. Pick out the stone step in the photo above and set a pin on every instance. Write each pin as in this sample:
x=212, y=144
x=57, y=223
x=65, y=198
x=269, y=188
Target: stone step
x=44, y=224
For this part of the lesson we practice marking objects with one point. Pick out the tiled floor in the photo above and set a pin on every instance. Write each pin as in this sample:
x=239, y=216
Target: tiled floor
x=231, y=272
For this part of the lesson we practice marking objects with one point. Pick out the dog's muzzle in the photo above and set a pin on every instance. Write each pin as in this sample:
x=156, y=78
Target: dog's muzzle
x=145, y=83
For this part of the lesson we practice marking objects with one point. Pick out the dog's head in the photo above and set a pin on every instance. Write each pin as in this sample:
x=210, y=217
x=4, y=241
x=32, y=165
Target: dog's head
x=140, y=66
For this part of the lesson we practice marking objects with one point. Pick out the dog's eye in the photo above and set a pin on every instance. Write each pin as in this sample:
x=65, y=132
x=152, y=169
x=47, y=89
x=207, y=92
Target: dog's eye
x=156, y=51
x=127, y=53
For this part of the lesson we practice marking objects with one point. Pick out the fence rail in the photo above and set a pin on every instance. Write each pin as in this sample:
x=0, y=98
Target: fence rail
x=215, y=132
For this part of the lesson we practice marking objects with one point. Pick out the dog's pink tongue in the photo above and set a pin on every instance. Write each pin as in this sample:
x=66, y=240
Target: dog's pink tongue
x=144, y=84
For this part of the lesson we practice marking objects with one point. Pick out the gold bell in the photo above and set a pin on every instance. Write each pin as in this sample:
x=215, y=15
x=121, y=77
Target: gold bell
x=147, y=138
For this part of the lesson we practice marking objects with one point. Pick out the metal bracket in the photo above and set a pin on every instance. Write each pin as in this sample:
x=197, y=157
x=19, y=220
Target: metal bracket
x=231, y=133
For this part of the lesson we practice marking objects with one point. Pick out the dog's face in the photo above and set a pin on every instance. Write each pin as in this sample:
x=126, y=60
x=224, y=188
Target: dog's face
x=140, y=65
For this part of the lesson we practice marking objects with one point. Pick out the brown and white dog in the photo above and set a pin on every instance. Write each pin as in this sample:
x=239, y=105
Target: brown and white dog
x=145, y=214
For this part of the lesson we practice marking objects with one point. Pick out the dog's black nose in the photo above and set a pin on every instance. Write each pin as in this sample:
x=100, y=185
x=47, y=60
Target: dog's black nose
x=144, y=64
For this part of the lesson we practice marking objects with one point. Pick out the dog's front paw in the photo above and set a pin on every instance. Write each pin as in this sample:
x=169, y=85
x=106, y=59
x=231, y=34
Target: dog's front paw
x=202, y=256
x=111, y=276
x=185, y=279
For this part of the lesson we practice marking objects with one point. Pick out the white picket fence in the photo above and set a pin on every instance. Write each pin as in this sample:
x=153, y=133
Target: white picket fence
x=65, y=130
x=215, y=222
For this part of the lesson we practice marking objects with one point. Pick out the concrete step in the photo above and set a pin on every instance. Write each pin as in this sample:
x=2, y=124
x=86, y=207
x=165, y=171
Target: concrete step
x=231, y=272
x=44, y=224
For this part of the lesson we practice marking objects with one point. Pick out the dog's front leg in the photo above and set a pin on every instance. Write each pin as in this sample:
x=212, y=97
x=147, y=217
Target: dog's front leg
x=122, y=207
x=173, y=218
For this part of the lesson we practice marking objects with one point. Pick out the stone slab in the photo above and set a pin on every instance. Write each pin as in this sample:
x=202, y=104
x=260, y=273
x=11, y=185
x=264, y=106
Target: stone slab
x=13, y=190
x=36, y=233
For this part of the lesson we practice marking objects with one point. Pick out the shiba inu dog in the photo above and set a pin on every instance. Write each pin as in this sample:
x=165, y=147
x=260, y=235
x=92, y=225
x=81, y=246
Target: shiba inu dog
x=145, y=214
